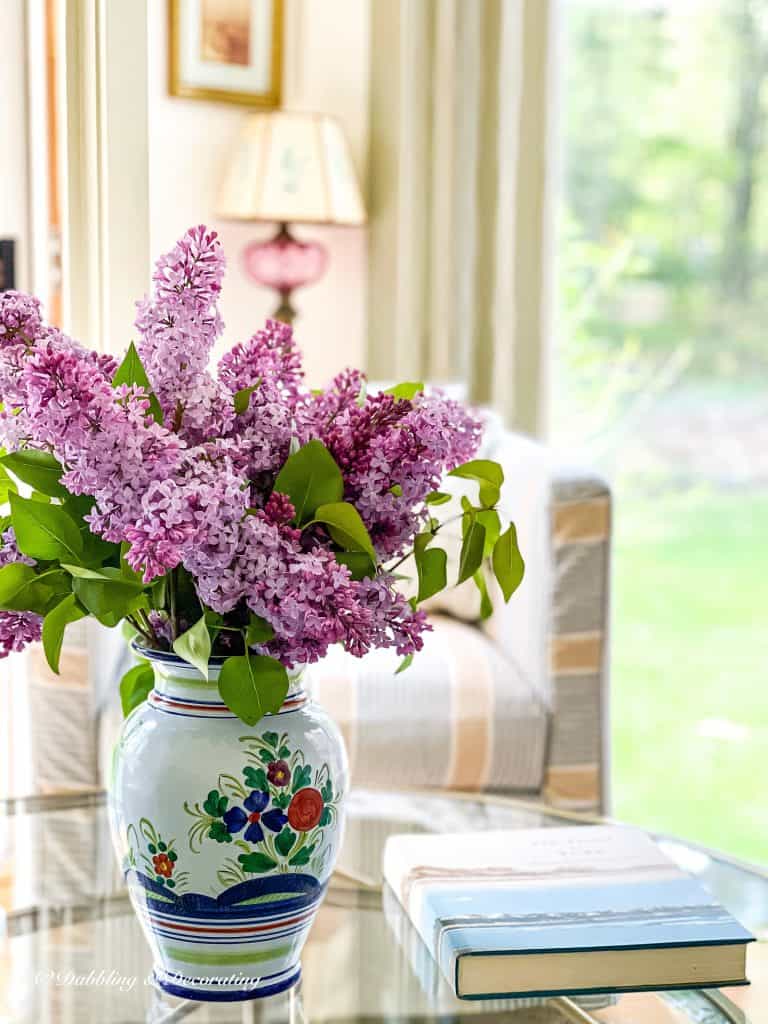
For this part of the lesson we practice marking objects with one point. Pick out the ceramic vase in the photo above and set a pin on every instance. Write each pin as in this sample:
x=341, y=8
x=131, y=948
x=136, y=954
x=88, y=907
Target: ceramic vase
x=227, y=834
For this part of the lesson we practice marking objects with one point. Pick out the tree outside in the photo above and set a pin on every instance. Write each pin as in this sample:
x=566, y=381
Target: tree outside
x=662, y=371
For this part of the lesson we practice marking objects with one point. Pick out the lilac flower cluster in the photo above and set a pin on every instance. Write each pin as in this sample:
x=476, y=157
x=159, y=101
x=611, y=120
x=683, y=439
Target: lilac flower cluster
x=194, y=491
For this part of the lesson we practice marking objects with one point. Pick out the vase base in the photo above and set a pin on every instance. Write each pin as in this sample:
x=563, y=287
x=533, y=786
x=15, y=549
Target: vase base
x=239, y=988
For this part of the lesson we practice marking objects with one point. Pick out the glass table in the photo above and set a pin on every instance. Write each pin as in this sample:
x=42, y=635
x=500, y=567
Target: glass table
x=72, y=950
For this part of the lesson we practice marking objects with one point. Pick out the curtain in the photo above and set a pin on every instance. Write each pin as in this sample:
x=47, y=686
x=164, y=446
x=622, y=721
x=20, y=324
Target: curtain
x=461, y=169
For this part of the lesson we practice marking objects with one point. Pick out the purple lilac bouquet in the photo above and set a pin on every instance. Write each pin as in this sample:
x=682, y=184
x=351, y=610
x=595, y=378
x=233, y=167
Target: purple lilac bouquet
x=239, y=515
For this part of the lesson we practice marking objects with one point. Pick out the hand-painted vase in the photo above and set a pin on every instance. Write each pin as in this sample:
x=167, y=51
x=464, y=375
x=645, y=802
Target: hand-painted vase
x=227, y=834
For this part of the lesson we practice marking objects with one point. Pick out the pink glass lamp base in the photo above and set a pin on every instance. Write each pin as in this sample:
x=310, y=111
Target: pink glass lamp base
x=285, y=263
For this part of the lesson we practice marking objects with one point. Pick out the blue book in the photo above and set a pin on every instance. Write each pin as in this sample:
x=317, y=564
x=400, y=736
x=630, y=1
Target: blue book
x=562, y=911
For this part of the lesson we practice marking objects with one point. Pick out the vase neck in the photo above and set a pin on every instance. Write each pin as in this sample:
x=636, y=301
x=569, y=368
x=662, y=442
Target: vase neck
x=180, y=689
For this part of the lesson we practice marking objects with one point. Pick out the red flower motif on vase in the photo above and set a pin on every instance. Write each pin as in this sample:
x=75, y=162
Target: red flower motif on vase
x=163, y=865
x=305, y=809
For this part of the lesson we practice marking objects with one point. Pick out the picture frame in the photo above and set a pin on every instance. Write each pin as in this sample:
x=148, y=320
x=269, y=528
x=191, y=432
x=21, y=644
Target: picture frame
x=227, y=51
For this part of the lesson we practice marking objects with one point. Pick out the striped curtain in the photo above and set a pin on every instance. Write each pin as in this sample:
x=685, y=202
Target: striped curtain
x=460, y=182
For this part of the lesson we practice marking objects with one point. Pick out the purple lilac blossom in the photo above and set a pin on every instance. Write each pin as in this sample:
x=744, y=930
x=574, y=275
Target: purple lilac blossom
x=197, y=490
x=17, y=629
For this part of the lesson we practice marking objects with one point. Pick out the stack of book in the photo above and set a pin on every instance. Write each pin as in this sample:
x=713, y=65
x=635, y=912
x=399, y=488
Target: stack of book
x=561, y=911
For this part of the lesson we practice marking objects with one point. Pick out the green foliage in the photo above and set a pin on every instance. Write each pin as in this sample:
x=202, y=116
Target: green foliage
x=258, y=631
x=430, y=565
x=310, y=478
x=489, y=475
x=135, y=686
x=508, y=564
x=408, y=389
x=56, y=621
x=252, y=685
x=110, y=600
x=194, y=646
x=345, y=527
x=45, y=532
x=358, y=563
x=472, y=547
x=39, y=470
x=438, y=498
x=21, y=589
x=302, y=776
x=256, y=778
x=301, y=857
x=243, y=398
x=131, y=371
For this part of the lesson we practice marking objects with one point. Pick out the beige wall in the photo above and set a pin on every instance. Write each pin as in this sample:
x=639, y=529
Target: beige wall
x=326, y=69
x=13, y=151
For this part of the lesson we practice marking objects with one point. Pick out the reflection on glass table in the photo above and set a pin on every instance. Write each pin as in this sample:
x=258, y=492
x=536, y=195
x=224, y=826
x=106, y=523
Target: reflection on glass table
x=73, y=952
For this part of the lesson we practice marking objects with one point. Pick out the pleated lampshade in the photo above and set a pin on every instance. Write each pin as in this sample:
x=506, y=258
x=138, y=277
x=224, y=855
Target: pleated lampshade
x=291, y=167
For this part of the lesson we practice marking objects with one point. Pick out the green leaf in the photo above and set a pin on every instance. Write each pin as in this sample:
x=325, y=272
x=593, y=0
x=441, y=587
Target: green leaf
x=271, y=738
x=259, y=631
x=438, y=498
x=408, y=389
x=7, y=486
x=472, y=548
x=397, y=490
x=285, y=842
x=131, y=371
x=266, y=755
x=431, y=566
x=211, y=803
x=22, y=591
x=194, y=646
x=359, y=563
x=55, y=622
x=489, y=518
x=256, y=778
x=302, y=856
x=108, y=601
x=45, y=532
x=488, y=474
x=325, y=817
x=257, y=863
x=404, y=664
x=38, y=469
x=508, y=564
x=327, y=792
x=106, y=574
x=135, y=686
x=243, y=398
x=345, y=526
x=252, y=685
x=310, y=478
x=302, y=776
x=219, y=832
x=486, y=605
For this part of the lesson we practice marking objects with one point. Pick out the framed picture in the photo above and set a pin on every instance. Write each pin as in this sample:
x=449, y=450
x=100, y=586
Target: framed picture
x=227, y=50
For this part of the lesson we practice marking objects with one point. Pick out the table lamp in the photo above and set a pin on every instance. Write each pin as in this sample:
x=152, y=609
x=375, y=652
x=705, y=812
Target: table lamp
x=290, y=167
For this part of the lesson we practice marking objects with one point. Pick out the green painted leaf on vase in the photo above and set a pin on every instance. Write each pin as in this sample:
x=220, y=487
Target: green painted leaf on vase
x=256, y=863
x=285, y=841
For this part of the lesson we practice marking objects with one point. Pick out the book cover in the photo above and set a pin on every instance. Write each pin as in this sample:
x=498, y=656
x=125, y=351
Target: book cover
x=561, y=911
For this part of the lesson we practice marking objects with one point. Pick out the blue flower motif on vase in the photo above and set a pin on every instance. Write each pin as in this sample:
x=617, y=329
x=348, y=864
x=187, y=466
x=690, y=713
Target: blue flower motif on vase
x=252, y=814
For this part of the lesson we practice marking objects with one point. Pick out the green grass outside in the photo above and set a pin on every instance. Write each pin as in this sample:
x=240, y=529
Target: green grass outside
x=690, y=653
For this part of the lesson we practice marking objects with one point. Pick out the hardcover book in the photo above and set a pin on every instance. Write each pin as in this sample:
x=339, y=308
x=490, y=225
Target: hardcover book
x=562, y=911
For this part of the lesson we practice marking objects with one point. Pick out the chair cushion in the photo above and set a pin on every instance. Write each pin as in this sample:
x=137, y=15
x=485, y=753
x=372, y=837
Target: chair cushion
x=462, y=716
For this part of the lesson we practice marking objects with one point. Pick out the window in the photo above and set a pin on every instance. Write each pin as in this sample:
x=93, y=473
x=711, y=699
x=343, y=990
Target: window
x=662, y=372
